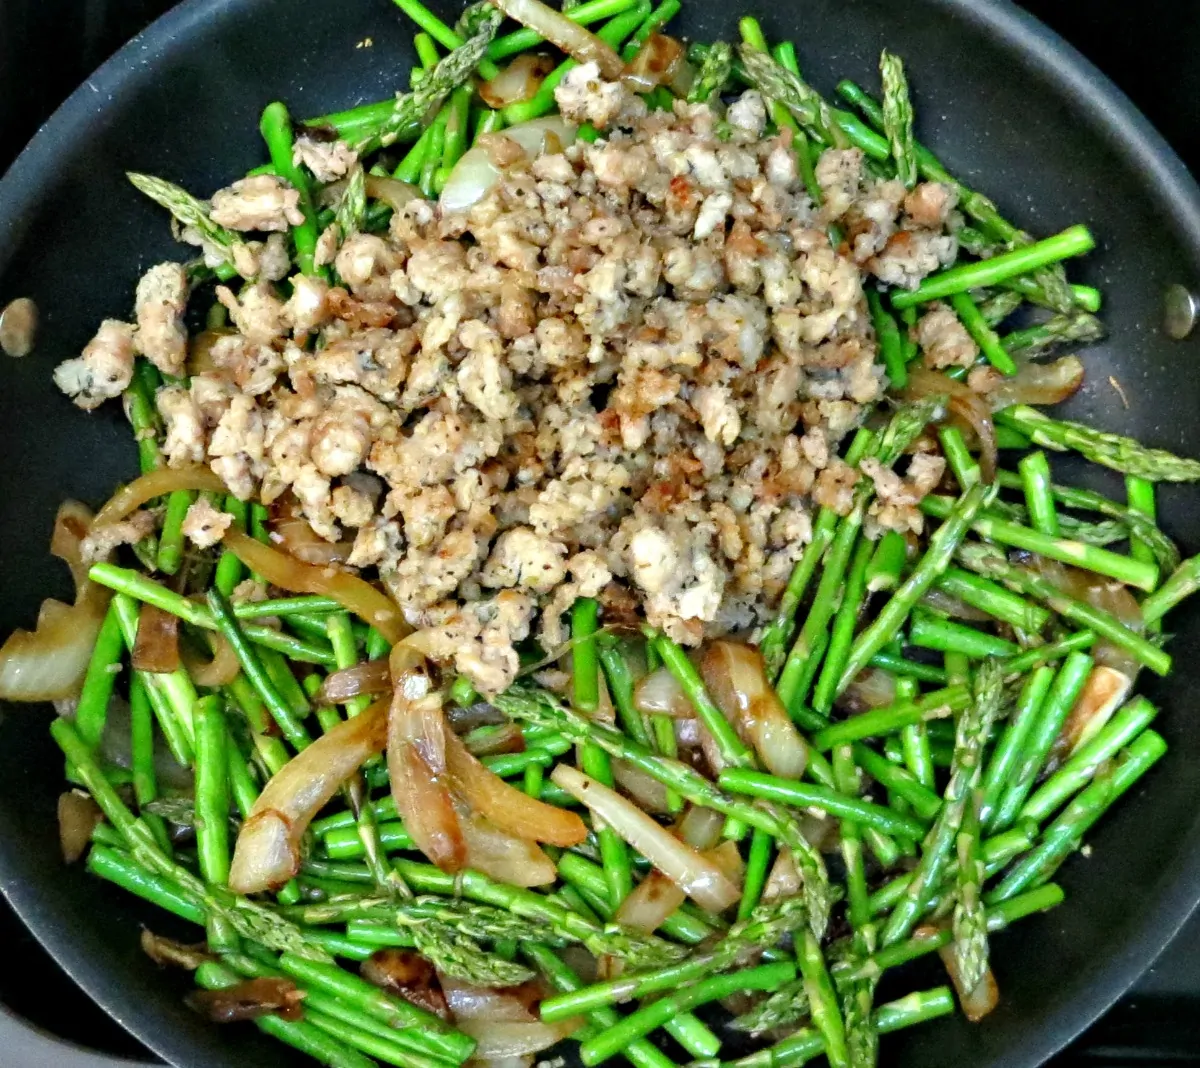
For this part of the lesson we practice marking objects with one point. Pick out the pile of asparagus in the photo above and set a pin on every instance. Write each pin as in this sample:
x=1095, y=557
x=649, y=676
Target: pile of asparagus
x=955, y=803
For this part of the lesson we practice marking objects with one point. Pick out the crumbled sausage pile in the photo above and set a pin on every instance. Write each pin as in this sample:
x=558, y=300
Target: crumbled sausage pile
x=622, y=374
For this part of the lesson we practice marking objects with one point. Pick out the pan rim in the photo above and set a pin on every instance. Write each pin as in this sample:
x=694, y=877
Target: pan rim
x=1090, y=94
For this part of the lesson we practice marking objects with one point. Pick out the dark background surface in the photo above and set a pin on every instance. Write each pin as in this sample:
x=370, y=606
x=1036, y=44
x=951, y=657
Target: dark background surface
x=48, y=47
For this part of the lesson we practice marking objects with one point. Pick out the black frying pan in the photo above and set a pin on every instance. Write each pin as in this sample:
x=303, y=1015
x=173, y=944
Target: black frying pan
x=1006, y=104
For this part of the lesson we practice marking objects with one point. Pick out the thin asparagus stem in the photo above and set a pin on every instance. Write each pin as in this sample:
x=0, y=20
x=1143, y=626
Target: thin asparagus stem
x=758, y=864
x=1140, y=494
x=91, y=712
x=447, y=37
x=1126, y=724
x=936, y=559
x=790, y=90
x=900, y=781
x=958, y=457
x=991, y=597
x=276, y=128
x=844, y=624
x=898, y=123
x=929, y=631
x=970, y=945
x=1068, y=684
x=1064, y=835
x=1182, y=584
x=1007, y=753
x=1074, y=241
x=984, y=336
x=974, y=729
x=991, y=562
x=1072, y=328
x=891, y=718
x=1137, y=573
x=1111, y=450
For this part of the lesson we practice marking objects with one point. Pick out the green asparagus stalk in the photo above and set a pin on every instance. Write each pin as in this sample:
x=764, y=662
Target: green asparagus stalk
x=930, y=631
x=991, y=562
x=1111, y=450
x=1072, y=328
x=938, y=704
x=1064, y=835
x=714, y=73
x=936, y=559
x=970, y=946
x=844, y=624
x=1182, y=584
x=1039, y=741
x=790, y=90
x=822, y=1000
x=1066, y=550
x=887, y=565
x=1126, y=724
x=188, y=211
x=974, y=729
x=898, y=121
x=1007, y=753
x=994, y=599
x=984, y=336
x=1023, y=259
x=958, y=457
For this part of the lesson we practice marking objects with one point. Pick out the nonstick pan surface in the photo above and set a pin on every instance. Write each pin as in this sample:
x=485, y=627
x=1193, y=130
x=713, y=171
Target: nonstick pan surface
x=1009, y=106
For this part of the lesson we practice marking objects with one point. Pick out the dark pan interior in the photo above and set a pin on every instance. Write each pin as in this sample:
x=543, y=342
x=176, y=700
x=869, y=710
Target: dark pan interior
x=1005, y=104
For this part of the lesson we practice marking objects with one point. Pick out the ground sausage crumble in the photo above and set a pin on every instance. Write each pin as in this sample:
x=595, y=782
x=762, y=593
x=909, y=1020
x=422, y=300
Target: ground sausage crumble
x=623, y=374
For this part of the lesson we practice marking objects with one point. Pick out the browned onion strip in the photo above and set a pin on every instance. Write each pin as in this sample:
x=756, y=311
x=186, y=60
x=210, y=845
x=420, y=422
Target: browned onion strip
x=156, y=483
x=507, y=738
x=518, y=81
x=351, y=592
x=391, y=191
x=701, y=879
x=508, y=808
x=221, y=670
x=416, y=757
x=578, y=43
x=650, y=903
x=49, y=663
x=658, y=62
x=298, y=539
x=650, y=794
x=1039, y=383
x=372, y=676
x=659, y=694
x=506, y=857
x=516, y=1004
x=78, y=816
x=408, y=975
x=249, y=1000
x=157, y=646
x=784, y=880
x=735, y=676
x=1103, y=693
x=267, y=853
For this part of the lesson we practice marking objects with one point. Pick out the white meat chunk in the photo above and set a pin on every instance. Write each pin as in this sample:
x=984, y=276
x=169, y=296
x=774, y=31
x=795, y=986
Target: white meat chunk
x=205, y=525
x=328, y=160
x=583, y=96
x=161, y=300
x=104, y=369
x=261, y=202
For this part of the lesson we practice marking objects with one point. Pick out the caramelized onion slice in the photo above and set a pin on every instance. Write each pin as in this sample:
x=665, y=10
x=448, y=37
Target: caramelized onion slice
x=508, y=808
x=351, y=592
x=157, y=646
x=966, y=407
x=518, y=81
x=555, y=27
x=297, y=538
x=156, y=483
x=1039, y=383
x=249, y=1000
x=662, y=60
x=1103, y=693
x=78, y=816
x=735, y=676
x=49, y=663
x=267, y=853
x=408, y=975
x=372, y=676
x=650, y=903
x=701, y=879
x=220, y=670
x=416, y=757
x=506, y=857
x=659, y=694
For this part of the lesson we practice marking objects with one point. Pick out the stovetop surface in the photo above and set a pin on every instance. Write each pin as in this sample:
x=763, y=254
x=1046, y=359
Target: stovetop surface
x=1148, y=49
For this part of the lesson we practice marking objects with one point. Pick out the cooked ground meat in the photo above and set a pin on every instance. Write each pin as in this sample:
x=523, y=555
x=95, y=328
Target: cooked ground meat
x=622, y=374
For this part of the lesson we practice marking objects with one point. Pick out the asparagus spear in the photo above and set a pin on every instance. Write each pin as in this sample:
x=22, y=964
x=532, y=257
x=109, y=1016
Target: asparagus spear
x=1111, y=450
x=1063, y=836
x=822, y=1001
x=1183, y=583
x=1074, y=241
x=990, y=561
x=190, y=212
x=1072, y=328
x=542, y=709
x=785, y=1006
x=790, y=90
x=898, y=117
x=974, y=729
x=714, y=73
x=937, y=557
x=970, y=944
x=765, y=927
